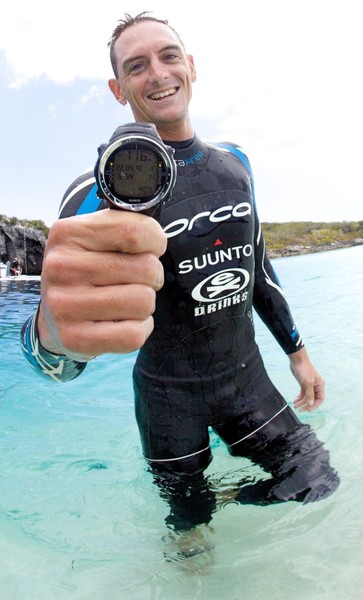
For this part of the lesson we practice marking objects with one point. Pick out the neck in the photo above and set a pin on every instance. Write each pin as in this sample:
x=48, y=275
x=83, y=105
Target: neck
x=175, y=132
x=174, y=135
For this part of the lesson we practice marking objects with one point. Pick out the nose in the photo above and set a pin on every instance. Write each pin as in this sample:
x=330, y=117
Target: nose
x=158, y=71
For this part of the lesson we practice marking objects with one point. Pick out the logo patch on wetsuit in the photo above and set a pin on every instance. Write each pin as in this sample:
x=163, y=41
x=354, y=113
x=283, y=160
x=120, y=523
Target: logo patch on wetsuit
x=213, y=258
x=220, y=214
x=189, y=161
x=221, y=285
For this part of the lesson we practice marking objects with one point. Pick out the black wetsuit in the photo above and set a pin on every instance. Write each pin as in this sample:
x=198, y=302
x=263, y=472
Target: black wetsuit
x=201, y=366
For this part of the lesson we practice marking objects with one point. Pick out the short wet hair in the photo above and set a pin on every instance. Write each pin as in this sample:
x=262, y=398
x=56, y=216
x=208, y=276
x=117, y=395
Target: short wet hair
x=127, y=22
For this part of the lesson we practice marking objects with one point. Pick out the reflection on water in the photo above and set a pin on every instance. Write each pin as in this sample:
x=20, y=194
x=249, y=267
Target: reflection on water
x=80, y=518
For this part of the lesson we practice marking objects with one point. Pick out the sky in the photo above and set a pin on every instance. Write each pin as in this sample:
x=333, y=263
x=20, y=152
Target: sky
x=281, y=78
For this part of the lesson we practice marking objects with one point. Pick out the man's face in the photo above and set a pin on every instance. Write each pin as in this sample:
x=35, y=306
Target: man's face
x=154, y=74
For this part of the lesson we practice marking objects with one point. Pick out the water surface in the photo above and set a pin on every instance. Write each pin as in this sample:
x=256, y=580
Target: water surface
x=80, y=518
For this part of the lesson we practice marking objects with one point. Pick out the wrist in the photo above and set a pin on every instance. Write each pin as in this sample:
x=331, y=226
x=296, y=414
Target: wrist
x=47, y=364
x=46, y=340
x=44, y=337
x=299, y=356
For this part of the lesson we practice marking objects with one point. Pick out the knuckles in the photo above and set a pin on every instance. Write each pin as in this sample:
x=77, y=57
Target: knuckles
x=62, y=230
x=92, y=341
x=136, y=229
x=120, y=231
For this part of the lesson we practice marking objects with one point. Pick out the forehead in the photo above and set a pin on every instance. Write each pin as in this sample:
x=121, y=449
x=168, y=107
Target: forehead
x=143, y=38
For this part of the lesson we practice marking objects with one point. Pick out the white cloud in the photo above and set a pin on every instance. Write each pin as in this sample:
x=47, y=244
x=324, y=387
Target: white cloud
x=66, y=40
x=281, y=77
x=95, y=93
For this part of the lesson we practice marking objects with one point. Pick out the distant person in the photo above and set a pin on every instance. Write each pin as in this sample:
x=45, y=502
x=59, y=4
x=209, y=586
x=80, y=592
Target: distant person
x=15, y=268
x=104, y=290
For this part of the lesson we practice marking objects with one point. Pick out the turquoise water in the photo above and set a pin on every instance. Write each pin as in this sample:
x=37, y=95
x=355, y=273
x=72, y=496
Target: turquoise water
x=80, y=518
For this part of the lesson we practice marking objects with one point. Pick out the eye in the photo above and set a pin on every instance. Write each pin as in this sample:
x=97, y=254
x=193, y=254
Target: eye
x=136, y=67
x=171, y=57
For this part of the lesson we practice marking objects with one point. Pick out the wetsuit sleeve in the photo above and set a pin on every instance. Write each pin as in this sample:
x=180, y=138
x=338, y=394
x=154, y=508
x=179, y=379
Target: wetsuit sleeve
x=269, y=299
x=80, y=198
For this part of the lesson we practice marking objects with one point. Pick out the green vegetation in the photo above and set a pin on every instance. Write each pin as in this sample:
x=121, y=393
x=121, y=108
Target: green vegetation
x=36, y=224
x=309, y=235
x=279, y=236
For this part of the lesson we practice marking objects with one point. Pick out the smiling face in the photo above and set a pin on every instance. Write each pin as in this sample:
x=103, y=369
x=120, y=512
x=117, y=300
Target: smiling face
x=155, y=76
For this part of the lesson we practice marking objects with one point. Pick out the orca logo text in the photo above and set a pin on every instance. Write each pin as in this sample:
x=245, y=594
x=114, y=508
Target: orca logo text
x=222, y=213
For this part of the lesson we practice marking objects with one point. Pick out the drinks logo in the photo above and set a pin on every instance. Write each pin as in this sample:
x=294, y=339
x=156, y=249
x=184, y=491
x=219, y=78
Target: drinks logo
x=218, y=286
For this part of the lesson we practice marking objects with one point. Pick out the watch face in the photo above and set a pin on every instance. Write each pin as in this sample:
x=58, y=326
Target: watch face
x=134, y=172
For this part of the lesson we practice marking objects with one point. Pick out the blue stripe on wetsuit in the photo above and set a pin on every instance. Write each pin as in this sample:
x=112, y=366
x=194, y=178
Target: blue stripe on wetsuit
x=90, y=203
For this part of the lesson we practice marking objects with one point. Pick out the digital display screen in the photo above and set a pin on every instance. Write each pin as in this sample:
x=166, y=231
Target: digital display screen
x=135, y=172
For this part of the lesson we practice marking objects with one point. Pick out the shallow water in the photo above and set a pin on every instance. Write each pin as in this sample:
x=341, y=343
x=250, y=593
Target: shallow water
x=80, y=518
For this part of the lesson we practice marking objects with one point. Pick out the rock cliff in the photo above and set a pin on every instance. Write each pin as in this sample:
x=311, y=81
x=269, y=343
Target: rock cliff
x=25, y=243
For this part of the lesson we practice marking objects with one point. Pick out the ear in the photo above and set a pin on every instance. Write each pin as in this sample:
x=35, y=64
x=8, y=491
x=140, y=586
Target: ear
x=192, y=67
x=115, y=88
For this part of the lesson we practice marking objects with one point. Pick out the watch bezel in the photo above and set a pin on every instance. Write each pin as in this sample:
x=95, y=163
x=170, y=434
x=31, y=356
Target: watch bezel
x=137, y=140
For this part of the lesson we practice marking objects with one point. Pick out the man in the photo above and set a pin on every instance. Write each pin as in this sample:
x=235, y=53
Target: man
x=15, y=268
x=199, y=367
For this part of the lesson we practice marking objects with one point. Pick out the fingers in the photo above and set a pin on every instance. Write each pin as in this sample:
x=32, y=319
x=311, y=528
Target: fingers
x=99, y=279
x=72, y=266
x=310, y=398
x=312, y=385
x=85, y=340
x=102, y=303
x=110, y=230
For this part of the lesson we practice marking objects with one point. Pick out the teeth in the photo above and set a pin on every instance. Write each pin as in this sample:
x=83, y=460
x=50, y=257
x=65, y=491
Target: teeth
x=159, y=95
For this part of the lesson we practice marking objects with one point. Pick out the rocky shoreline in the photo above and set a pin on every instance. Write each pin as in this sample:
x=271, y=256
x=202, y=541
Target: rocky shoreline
x=24, y=243
x=297, y=250
x=28, y=245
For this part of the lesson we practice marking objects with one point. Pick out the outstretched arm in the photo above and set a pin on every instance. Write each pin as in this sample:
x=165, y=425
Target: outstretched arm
x=99, y=278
